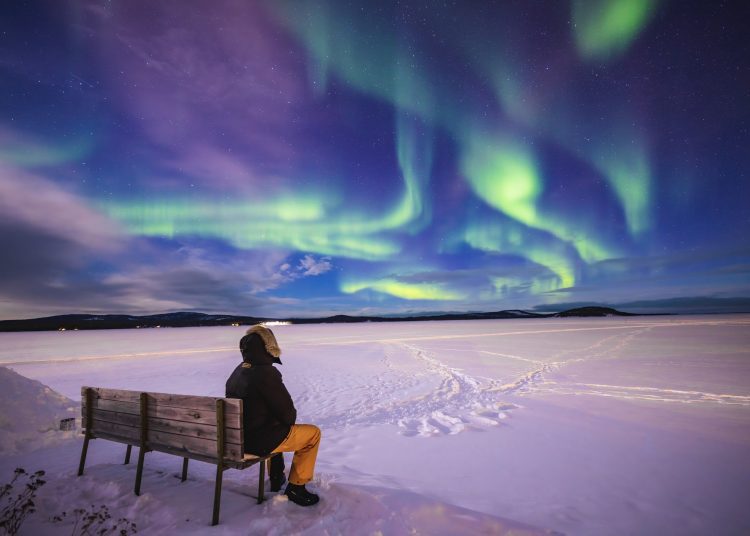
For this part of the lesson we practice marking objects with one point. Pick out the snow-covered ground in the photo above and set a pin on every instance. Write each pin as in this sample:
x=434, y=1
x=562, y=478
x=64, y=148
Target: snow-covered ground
x=584, y=426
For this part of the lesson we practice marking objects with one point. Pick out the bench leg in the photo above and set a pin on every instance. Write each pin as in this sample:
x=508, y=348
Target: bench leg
x=217, y=495
x=127, y=454
x=261, y=480
x=184, y=469
x=84, y=450
x=139, y=471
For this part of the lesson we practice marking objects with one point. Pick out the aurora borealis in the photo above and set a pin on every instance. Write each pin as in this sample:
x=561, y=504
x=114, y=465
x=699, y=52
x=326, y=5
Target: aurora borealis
x=288, y=158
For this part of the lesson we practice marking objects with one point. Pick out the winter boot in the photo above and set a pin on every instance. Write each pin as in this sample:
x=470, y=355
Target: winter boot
x=299, y=495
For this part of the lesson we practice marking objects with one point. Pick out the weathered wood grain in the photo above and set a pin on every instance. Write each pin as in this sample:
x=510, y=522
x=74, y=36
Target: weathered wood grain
x=208, y=403
x=197, y=445
x=112, y=437
x=233, y=464
x=158, y=440
x=206, y=431
x=129, y=433
x=156, y=410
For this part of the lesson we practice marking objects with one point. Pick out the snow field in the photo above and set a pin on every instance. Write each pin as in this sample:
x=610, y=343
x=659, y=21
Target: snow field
x=585, y=426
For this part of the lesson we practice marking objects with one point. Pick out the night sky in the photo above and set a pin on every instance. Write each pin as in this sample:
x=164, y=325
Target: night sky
x=310, y=158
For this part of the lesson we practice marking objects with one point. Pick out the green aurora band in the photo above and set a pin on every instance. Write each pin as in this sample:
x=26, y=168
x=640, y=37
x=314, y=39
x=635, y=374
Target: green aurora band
x=510, y=238
x=400, y=289
x=604, y=29
x=311, y=223
x=504, y=174
x=614, y=148
x=31, y=153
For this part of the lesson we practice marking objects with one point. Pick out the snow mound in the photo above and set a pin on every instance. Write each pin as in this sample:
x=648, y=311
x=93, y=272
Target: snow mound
x=30, y=413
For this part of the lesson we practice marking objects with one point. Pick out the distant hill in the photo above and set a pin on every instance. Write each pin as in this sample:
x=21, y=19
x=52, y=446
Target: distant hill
x=192, y=319
x=80, y=321
x=448, y=316
x=592, y=311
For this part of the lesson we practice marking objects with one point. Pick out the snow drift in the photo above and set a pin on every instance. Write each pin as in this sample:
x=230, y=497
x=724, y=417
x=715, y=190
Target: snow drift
x=30, y=413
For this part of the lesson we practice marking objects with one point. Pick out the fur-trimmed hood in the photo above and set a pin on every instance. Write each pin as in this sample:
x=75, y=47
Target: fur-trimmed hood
x=259, y=346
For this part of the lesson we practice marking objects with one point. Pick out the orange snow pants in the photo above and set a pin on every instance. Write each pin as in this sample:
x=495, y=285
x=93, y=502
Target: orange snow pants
x=303, y=440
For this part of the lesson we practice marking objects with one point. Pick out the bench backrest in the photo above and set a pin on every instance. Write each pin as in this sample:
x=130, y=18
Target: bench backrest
x=184, y=425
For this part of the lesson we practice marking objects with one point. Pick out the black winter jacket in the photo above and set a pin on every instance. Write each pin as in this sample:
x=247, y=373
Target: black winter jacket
x=268, y=409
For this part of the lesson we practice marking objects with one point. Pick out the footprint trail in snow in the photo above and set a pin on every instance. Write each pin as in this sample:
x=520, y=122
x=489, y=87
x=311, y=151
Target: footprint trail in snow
x=420, y=389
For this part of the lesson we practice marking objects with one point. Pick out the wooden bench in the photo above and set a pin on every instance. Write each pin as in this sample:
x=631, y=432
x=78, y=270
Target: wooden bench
x=200, y=428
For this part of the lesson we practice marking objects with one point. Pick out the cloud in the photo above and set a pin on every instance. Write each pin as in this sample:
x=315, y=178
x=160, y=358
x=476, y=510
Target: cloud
x=156, y=276
x=49, y=237
x=309, y=266
x=207, y=278
x=45, y=208
x=60, y=255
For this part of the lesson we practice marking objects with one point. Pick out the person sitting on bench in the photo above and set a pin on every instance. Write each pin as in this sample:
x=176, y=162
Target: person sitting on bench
x=270, y=416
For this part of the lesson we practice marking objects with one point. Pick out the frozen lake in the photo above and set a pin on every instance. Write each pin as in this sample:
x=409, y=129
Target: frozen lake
x=584, y=426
